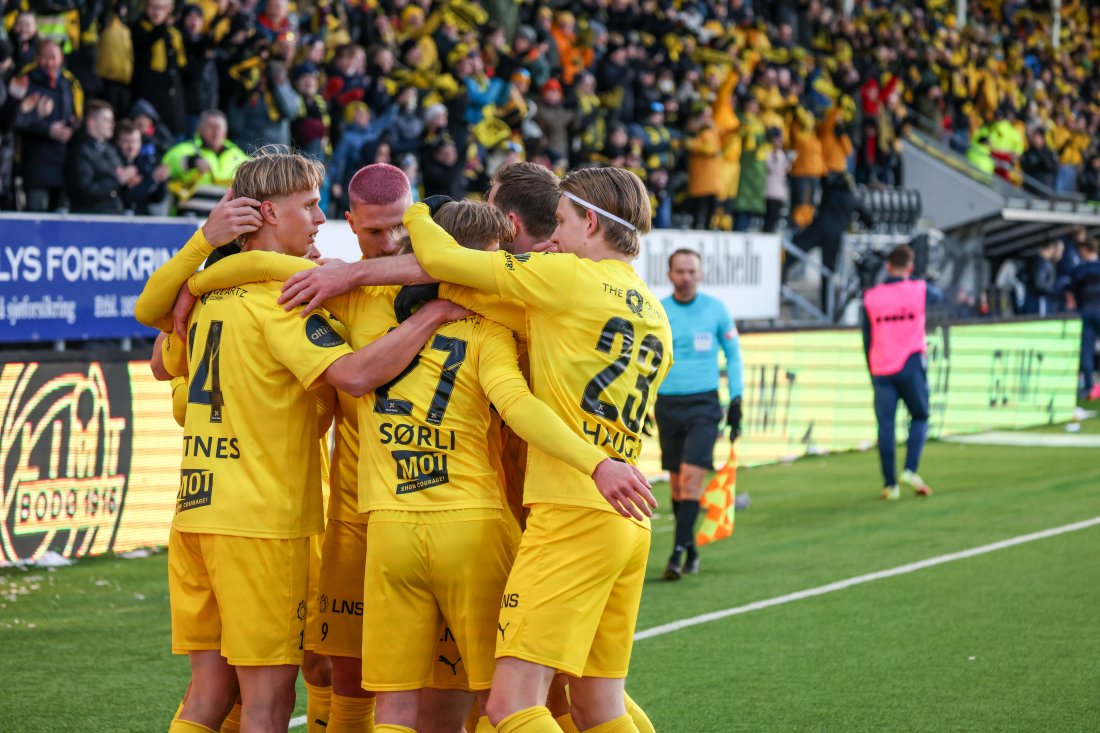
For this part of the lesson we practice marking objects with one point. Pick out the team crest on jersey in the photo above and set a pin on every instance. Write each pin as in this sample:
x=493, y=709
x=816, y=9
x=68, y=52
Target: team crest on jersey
x=323, y=603
x=634, y=301
x=65, y=447
x=419, y=470
x=301, y=611
x=320, y=333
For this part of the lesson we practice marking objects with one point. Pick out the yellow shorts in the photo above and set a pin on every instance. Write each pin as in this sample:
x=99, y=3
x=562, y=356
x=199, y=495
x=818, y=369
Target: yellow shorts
x=241, y=595
x=313, y=623
x=572, y=598
x=446, y=567
x=340, y=631
x=449, y=670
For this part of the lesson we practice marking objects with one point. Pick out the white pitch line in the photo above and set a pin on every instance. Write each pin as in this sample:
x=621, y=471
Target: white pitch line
x=842, y=584
x=860, y=579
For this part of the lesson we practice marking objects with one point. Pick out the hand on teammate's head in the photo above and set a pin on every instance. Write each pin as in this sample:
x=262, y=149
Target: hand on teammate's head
x=231, y=218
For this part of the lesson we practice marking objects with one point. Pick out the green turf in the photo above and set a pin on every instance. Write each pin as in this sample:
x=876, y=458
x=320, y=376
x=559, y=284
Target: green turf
x=86, y=647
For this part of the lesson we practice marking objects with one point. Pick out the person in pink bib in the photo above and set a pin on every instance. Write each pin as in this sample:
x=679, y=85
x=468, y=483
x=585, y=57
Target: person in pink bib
x=894, y=341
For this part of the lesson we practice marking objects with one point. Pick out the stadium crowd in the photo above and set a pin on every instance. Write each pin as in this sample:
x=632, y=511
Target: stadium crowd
x=728, y=110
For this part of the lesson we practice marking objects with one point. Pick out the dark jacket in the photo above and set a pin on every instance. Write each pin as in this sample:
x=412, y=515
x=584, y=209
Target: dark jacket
x=200, y=76
x=159, y=59
x=43, y=158
x=136, y=199
x=1040, y=164
x=90, y=176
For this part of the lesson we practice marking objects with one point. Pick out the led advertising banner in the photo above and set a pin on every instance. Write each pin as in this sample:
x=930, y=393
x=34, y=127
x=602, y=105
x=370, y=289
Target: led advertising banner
x=90, y=453
x=90, y=458
x=77, y=277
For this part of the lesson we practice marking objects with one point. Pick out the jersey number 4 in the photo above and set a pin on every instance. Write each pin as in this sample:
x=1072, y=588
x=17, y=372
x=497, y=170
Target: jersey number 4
x=209, y=367
x=456, y=355
x=648, y=357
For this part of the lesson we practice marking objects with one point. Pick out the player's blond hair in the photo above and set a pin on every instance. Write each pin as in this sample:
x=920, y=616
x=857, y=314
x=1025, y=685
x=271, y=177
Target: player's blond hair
x=473, y=224
x=274, y=172
x=616, y=191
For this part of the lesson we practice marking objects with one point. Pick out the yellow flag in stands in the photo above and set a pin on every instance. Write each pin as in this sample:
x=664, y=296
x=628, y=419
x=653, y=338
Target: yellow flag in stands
x=717, y=502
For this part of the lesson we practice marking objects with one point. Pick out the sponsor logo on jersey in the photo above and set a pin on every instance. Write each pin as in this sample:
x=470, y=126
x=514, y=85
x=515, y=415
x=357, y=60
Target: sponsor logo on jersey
x=635, y=302
x=320, y=333
x=510, y=600
x=419, y=470
x=223, y=294
x=65, y=447
x=196, y=489
x=351, y=608
x=419, y=435
x=510, y=259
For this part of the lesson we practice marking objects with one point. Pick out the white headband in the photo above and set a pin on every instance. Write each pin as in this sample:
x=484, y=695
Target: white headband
x=598, y=210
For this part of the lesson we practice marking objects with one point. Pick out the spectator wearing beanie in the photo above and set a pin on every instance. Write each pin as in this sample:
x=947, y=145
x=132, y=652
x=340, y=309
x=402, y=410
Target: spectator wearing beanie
x=442, y=170
x=159, y=59
x=156, y=139
x=310, y=129
x=264, y=101
x=555, y=121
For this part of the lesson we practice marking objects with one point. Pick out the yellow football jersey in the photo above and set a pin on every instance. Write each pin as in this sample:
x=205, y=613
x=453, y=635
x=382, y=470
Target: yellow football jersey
x=363, y=315
x=250, y=461
x=599, y=346
x=425, y=439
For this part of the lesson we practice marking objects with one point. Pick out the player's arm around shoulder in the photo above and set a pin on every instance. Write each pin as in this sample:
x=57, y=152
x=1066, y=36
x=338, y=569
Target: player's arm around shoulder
x=228, y=220
x=380, y=361
x=621, y=485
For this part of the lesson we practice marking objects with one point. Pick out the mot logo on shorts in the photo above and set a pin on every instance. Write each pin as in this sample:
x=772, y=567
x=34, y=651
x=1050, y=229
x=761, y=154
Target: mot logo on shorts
x=196, y=489
x=418, y=470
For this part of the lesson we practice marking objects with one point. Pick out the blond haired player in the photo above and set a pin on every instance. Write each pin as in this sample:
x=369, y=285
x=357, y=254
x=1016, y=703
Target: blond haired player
x=572, y=597
x=524, y=192
x=250, y=494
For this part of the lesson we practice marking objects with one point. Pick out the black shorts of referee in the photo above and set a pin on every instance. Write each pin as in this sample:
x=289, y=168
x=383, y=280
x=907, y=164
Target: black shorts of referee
x=688, y=428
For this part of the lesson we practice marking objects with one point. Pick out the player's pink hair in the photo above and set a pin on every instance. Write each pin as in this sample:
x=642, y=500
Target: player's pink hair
x=378, y=184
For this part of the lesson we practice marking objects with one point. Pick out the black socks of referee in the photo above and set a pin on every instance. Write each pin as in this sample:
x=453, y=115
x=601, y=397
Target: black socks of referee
x=686, y=514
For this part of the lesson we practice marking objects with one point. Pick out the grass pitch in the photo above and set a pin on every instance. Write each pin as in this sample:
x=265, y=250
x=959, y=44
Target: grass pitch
x=1006, y=641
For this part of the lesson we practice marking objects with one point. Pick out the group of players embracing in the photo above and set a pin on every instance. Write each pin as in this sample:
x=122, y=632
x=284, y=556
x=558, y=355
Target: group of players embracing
x=485, y=370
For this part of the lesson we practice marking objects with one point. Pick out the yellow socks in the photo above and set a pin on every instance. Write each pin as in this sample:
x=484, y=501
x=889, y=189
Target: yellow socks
x=351, y=715
x=565, y=722
x=622, y=724
x=186, y=726
x=529, y=720
x=318, y=701
x=392, y=729
x=484, y=726
x=232, y=722
x=641, y=720
x=178, y=711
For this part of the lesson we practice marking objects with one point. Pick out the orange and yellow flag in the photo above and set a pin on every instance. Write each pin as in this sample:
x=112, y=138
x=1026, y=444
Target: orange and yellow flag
x=717, y=502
